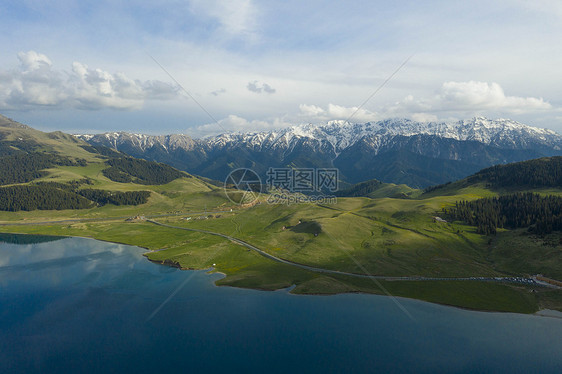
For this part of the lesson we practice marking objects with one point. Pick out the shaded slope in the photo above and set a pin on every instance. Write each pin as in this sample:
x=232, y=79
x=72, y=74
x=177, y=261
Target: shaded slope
x=542, y=173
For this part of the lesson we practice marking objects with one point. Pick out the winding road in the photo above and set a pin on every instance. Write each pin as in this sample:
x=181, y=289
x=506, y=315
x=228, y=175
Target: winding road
x=519, y=280
x=522, y=280
x=270, y=256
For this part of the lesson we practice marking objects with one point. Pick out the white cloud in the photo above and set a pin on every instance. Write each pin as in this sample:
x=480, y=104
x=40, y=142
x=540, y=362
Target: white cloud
x=258, y=87
x=33, y=61
x=353, y=114
x=234, y=123
x=311, y=110
x=307, y=114
x=36, y=84
x=452, y=101
x=482, y=95
x=424, y=117
x=467, y=98
x=314, y=113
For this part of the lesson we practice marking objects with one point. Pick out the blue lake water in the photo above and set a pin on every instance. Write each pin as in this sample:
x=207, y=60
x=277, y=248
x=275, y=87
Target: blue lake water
x=80, y=305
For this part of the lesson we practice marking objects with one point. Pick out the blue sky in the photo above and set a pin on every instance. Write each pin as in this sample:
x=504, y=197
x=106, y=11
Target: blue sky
x=87, y=66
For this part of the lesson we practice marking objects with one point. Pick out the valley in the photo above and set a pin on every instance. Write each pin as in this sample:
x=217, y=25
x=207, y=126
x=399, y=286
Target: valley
x=395, y=237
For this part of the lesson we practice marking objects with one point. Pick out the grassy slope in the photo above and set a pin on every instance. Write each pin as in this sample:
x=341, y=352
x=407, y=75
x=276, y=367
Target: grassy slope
x=180, y=195
x=387, y=236
x=394, y=190
x=518, y=252
x=55, y=142
x=376, y=189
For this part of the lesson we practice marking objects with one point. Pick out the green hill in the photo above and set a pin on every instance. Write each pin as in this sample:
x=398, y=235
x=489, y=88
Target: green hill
x=543, y=174
x=16, y=137
x=56, y=171
x=539, y=173
x=377, y=189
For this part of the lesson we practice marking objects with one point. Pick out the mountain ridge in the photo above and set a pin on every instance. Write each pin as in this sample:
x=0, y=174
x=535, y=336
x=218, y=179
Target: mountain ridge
x=473, y=144
x=341, y=134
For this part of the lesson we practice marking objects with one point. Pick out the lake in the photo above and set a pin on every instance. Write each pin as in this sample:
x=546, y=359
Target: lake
x=81, y=305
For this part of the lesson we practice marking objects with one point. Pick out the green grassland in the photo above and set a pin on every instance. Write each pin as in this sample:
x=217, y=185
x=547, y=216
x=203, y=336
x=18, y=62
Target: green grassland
x=377, y=235
x=519, y=252
x=404, y=243
x=55, y=142
x=389, y=237
x=395, y=191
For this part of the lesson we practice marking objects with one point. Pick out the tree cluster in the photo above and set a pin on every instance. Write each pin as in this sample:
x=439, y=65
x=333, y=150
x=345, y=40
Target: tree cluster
x=541, y=214
x=360, y=189
x=102, y=150
x=128, y=169
x=68, y=186
x=24, y=167
x=102, y=197
x=542, y=172
x=437, y=187
x=32, y=197
x=58, y=196
x=11, y=147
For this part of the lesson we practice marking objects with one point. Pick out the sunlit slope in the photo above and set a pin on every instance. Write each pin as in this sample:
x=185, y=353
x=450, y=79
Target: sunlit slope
x=383, y=236
x=376, y=189
x=185, y=193
x=21, y=137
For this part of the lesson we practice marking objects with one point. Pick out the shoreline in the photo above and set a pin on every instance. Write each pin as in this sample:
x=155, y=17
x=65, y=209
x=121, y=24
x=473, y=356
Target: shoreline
x=289, y=289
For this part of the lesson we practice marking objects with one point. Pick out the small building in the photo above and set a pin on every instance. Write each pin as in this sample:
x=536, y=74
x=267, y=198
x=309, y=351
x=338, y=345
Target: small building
x=136, y=219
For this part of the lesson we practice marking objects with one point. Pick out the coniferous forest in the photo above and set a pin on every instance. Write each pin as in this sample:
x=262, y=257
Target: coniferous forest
x=360, y=189
x=128, y=169
x=33, y=197
x=102, y=197
x=541, y=214
x=542, y=172
x=24, y=167
x=58, y=196
x=103, y=151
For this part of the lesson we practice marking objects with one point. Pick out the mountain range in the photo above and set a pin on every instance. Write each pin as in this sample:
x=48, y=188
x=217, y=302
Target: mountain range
x=400, y=151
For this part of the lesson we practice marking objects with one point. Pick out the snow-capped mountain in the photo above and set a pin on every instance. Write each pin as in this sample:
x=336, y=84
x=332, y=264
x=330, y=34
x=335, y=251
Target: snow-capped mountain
x=501, y=133
x=340, y=135
x=140, y=141
x=470, y=144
